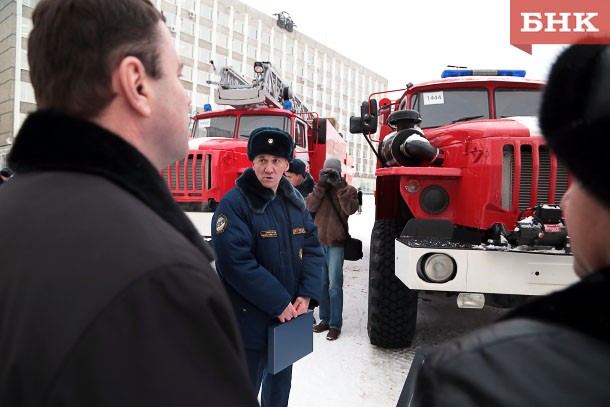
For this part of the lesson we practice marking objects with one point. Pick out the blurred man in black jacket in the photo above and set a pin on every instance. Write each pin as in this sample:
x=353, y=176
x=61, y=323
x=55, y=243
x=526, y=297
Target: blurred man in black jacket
x=107, y=294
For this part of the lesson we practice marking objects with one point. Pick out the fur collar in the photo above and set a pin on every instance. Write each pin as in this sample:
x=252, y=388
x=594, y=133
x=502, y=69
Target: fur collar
x=584, y=306
x=258, y=197
x=52, y=141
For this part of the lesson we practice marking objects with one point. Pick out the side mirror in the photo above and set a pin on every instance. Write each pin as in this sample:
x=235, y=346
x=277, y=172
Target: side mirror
x=319, y=130
x=366, y=122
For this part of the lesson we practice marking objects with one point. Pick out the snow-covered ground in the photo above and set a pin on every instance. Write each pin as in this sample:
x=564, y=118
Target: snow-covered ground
x=352, y=372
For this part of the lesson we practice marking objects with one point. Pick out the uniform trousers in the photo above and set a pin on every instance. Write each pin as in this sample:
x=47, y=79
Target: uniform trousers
x=275, y=387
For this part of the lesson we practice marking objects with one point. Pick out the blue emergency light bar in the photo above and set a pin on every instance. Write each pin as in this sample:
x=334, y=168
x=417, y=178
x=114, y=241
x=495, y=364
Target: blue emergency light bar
x=449, y=73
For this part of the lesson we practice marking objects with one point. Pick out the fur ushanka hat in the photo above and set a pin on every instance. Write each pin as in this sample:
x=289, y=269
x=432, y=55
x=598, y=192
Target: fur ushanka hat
x=270, y=140
x=575, y=115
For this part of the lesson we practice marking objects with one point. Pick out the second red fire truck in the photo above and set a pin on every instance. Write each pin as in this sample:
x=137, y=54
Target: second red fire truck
x=217, y=149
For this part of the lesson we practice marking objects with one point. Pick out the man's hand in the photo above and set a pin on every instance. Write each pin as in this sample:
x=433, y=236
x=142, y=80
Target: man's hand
x=301, y=304
x=288, y=313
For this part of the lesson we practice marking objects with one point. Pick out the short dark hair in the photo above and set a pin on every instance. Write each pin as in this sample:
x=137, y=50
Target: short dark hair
x=75, y=45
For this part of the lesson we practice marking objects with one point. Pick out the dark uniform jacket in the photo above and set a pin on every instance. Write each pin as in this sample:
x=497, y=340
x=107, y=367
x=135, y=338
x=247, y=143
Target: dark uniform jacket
x=554, y=351
x=330, y=229
x=306, y=187
x=107, y=295
x=267, y=253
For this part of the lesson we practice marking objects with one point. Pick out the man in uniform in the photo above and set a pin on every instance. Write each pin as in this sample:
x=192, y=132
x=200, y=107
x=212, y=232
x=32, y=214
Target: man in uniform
x=268, y=254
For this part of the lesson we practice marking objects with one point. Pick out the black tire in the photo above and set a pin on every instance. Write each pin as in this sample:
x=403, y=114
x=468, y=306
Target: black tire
x=392, y=306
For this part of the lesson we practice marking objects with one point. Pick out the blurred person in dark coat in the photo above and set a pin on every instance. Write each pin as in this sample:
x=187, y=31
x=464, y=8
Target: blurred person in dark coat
x=107, y=294
x=5, y=174
x=300, y=178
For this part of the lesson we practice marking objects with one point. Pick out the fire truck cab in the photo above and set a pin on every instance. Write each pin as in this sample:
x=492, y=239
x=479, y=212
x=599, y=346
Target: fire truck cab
x=467, y=198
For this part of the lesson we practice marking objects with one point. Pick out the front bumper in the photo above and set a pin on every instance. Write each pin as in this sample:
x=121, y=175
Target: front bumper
x=483, y=269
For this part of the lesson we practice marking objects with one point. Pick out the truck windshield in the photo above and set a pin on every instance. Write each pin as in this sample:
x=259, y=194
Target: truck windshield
x=438, y=108
x=247, y=123
x=517, y=102
x=218, y=126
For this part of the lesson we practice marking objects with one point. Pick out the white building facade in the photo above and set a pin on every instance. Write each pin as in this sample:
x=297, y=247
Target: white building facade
x=229, y=33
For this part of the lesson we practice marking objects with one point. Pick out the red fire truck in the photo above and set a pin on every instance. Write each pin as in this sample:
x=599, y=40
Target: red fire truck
x=217, y=148
x=467, y=198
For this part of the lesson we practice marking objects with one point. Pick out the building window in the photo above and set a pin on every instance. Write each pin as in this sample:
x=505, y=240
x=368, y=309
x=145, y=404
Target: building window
x=223, y=19
x=188, y=27
x=187, y=73
x=186, y=50
x=205, y=12
x=252, y=31
x=204, y=54
x=205, y=33
x=251, y=51
x=266, y=38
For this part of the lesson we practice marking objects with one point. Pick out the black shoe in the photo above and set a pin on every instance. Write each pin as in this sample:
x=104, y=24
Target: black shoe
x=333, y=334
x=321, y=327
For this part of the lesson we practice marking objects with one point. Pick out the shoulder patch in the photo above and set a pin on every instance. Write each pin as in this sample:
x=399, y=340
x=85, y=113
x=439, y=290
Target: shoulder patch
x=298, y=231
x=221, y=224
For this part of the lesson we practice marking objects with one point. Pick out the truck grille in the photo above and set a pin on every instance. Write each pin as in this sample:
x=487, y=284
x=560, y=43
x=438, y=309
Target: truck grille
x=542, y=177
x=187, y=176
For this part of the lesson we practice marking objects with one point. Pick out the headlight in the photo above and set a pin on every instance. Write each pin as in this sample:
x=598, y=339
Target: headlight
x=434, y=199
x=437, y=268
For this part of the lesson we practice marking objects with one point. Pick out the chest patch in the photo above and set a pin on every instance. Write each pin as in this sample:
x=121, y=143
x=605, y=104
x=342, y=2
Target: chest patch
x=268, y=233
x=221, y=224
x=298, y=231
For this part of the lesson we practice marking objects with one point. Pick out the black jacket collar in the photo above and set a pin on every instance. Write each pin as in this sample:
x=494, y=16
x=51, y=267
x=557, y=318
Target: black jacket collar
x=258, y=197
x=584, y=306
x=52, y=141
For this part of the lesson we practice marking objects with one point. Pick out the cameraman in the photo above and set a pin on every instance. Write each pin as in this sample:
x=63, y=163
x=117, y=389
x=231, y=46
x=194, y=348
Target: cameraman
x=332, y=189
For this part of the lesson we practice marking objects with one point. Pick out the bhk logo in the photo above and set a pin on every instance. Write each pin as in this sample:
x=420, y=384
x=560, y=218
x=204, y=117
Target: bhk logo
x=558, y=22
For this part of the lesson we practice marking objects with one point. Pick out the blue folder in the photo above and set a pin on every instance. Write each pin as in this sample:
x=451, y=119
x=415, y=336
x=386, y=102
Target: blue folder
x=289, y=342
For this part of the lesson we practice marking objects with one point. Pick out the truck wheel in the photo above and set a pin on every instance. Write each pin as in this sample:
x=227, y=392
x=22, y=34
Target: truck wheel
x=392, y=306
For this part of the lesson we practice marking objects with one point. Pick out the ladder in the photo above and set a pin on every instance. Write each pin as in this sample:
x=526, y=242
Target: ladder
x=267, y=89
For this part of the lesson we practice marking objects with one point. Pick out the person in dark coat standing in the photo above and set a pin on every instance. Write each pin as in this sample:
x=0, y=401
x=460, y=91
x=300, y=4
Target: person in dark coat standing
x=359, y=200
x=5, y=174
x=299, y=177
x=332, y=189
x=554, y=351
x=107, y=292
x=268, y=254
